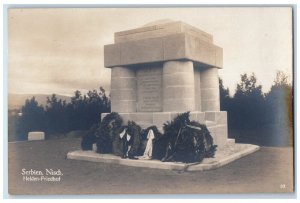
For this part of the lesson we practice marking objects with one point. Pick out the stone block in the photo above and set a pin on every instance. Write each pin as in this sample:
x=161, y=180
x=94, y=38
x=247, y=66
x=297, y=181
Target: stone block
x=200, y=51
x=179, y=92
x=240, y=150
x=210, y=115
x=36, y=136
x=210, y=123
x=112, y=55
x=209, y=78
x=149, y=88
x=142, y=51
x=175, y=105
x=212, y=130
x=171, y=67
x=201, y=117
x=222, y=119
x=159, y=29
x=146, y=32
x=222, y=134
x=210, y=93
x=210, y=105
x=219, y=57
x=146, y=70
x=143, y=117
x=159, y=118
x=207, y=73
x=219, y=134
x=197, y=89
x=174, y=47
x=230, y=142
x=219, y=117
x=124, y=94
x=178, y=104
x=178, y=78
x=153, y=104
x=173, y=42
x=117, y=72
x=193, y=31
x=123, y=83
x=209, y=82
x=94, y=147
x=124, y=106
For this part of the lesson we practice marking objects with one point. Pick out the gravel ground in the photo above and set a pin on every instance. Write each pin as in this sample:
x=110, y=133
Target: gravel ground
x=270, y=170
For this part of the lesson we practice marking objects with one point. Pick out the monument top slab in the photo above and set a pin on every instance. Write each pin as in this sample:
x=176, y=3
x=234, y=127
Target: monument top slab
x=161, y=28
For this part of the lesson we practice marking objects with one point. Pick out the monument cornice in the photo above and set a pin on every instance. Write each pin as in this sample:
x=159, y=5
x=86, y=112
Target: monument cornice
x=156, y=29
x=180, y=46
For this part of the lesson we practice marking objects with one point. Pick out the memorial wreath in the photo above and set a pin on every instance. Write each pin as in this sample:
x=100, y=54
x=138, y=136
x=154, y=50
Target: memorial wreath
x=182, y=141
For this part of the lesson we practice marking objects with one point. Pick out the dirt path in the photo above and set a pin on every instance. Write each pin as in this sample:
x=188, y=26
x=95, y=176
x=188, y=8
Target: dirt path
x=270, y=170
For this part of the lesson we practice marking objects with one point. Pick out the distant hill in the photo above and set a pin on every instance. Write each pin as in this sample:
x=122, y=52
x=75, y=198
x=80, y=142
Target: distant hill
x=16, y=101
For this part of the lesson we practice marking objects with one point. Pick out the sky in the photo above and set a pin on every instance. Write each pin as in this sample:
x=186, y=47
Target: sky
x=60, y=50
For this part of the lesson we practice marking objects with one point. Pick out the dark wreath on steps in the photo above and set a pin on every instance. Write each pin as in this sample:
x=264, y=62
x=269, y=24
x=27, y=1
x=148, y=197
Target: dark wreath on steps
x=182, y=141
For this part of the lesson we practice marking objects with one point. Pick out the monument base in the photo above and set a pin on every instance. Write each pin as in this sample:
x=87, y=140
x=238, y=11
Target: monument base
x=216, y=122
x=229, y=153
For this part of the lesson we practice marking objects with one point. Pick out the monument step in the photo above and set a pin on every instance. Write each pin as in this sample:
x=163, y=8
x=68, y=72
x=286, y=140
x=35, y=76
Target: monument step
x=209, y=123
x=222, y=157
x=230, y=141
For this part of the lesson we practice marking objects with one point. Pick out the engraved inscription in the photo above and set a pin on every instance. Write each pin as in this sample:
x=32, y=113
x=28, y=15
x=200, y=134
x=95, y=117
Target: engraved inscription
x=149, y=81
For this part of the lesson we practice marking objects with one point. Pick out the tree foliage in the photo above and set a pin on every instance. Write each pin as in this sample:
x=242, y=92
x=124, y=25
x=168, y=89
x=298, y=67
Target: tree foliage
x=249, y=103
x=225, y=98
x=32, y=119
x=279, y=110
x=257, y=117
x=56, y=115
x=59, y=117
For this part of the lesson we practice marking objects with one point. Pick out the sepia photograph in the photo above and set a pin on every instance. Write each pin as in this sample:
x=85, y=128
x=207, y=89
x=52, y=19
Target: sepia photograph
x=162, y=100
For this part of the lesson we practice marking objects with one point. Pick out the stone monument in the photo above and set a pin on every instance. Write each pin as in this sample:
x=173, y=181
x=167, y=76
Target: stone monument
x=166, y=68
x=36, y=136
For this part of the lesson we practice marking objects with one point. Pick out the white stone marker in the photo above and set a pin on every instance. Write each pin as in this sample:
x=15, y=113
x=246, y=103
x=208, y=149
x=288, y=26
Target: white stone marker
x=95, y=147
x=36, y=136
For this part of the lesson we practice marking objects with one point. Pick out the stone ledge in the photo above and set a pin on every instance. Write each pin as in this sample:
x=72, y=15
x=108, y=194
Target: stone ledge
x=160, y=29
x=180, y=46
x=223, y=156
x=221, y=159
x=109, y=158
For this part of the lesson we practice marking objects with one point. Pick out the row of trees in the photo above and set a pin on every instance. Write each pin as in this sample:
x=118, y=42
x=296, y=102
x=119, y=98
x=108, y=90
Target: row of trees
x=59, y=117
x=255, y=117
